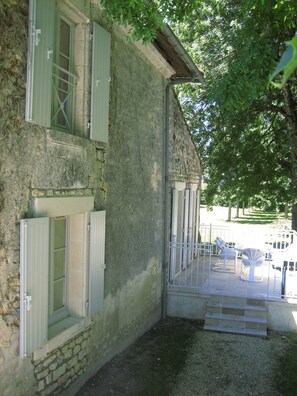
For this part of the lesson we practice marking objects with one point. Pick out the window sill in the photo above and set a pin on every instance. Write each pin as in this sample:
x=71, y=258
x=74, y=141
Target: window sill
x=60, y=333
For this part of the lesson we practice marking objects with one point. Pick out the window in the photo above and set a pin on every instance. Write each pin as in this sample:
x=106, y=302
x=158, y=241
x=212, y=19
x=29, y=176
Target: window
x=62, y=268
x=57, y=93
x=64, y=81
x=58, y=270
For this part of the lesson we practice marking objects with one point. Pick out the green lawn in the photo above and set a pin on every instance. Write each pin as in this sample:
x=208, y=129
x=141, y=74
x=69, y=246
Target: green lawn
x=218, y=215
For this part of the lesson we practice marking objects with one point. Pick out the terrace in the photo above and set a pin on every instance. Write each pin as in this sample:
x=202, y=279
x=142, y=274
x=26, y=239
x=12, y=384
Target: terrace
x=193, y=280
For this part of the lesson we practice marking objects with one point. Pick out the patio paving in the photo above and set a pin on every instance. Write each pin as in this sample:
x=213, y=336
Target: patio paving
x=200, y=277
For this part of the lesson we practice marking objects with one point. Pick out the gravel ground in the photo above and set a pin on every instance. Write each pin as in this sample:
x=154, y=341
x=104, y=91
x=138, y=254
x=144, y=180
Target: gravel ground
x=229, y=364
x=178, y=358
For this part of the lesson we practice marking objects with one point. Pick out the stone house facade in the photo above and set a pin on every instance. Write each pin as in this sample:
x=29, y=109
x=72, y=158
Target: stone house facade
x=95, y=155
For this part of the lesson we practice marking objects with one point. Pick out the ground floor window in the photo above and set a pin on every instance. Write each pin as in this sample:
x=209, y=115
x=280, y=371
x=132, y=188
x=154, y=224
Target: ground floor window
x=62, y=268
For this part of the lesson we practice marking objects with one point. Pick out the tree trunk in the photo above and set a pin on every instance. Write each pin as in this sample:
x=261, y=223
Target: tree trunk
x=229, y=212
x=237, y=210
x=292, y=124
x=286, y=211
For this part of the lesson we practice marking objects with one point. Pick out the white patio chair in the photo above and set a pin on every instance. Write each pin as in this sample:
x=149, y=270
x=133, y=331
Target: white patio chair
x=285, y=261
x=278, y=256
x=227, y=257
x=252, y=264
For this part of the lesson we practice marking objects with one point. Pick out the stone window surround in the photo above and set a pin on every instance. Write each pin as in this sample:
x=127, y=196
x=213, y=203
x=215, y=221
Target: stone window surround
x=61, y=332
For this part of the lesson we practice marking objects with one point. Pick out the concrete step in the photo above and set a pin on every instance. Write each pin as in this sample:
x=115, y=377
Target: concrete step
x=236, y=318
x=236, y=315
x=252, y=332
x=251, y=310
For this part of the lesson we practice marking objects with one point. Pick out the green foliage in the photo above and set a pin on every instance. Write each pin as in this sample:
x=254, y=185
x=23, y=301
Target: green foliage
x=145, y=17
x=240, y=127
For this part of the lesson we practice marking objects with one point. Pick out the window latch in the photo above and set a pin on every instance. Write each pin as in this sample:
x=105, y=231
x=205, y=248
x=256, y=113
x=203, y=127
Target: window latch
x=28, y=300
x=49, y=53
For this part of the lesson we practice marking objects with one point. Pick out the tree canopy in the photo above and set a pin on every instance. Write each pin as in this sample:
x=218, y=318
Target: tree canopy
x=146, y=16
x=246, y=129
x=241, y=126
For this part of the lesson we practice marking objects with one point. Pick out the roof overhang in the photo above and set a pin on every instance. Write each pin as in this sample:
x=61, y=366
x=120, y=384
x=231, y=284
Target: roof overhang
x=172, y=50
x=169, y=56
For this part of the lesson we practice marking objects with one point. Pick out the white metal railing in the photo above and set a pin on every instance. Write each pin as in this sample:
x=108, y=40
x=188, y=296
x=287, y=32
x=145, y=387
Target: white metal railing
x=191, y=264
x=278, y=239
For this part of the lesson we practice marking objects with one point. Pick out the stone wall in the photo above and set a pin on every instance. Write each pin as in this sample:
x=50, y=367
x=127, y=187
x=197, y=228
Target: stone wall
x=58, y=369
x=125, y=178
x=185, y=163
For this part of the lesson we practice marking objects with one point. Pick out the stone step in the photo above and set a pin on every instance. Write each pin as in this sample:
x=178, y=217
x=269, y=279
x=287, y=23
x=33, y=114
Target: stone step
x=235, y=324
x=252, y=332
x=250, y=310
x=236, y=318
x=236, y=301
x=236, y=315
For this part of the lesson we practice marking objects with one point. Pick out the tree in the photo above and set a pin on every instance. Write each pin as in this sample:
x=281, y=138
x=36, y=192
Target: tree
x=248, y=132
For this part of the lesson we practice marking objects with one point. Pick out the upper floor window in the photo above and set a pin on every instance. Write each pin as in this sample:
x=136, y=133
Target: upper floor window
x=61, y=93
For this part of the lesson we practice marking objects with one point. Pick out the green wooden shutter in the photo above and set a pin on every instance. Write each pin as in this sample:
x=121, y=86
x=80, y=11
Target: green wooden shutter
x=97, y=260
x=40, y=60
x=100, y=84
x=34, y=284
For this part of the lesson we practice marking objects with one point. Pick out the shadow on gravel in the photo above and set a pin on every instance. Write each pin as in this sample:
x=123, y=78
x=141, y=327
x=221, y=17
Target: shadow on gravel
x=150, y=366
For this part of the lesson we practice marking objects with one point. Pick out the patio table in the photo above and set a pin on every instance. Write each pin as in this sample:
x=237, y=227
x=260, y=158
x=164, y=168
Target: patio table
x=252, y=258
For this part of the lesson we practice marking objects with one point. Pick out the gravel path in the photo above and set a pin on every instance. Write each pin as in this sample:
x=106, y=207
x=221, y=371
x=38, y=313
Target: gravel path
x=178, y=358
x=232, y=365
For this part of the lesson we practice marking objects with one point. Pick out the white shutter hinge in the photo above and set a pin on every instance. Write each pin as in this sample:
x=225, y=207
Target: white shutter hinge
x=27, y=300
x=90, y=36
x=89, y=227
x=87, y=304
x=89, y=125
x=36, y=33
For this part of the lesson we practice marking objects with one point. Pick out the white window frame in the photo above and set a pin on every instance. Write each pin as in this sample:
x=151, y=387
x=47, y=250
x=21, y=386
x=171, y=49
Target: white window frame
x=62, y=312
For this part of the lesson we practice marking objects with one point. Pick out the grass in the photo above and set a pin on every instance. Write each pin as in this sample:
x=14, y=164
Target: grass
x=257, y=217
x=219, y=215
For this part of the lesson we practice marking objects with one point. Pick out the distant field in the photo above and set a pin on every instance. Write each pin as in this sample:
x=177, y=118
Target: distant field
x=251, y=218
